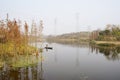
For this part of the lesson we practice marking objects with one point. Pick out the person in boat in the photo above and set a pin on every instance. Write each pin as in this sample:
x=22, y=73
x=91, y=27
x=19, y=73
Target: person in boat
x=48, y=47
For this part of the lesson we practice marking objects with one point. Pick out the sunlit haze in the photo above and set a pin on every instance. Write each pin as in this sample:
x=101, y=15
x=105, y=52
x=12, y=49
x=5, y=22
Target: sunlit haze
x=62, y=16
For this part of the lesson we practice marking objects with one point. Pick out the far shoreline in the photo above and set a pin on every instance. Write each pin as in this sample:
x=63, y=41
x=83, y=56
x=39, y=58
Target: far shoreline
x=108, y=42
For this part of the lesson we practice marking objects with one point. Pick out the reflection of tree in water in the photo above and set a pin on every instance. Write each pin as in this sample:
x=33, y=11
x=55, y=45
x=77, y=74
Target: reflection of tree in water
x=33, y=72
x=111, y=53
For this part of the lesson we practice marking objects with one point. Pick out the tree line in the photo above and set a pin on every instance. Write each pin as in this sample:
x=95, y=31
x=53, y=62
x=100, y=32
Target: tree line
x=111, y=33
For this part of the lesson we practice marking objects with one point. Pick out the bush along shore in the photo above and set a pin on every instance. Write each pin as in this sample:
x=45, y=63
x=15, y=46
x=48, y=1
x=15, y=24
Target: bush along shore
x=13, y=40
x=15, y=44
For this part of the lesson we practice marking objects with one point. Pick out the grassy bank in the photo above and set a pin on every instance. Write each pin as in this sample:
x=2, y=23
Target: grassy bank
x=11, y=49
x=108, y=42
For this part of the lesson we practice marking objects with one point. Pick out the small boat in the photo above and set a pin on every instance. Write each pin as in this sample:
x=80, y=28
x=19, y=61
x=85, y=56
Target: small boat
x=48, y=48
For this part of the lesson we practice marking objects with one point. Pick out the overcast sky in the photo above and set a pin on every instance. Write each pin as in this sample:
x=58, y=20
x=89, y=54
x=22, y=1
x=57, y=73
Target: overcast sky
x=92, y=13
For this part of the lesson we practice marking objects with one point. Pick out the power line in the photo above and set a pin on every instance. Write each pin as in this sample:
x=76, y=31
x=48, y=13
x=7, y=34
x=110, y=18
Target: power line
x=55, y=26
x=77, y=22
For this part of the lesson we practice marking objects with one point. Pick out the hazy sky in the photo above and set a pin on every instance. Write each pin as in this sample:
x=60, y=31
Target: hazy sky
x=93, y=13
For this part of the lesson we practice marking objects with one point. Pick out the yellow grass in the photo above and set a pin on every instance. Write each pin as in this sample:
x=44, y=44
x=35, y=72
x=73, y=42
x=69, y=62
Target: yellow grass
x=108, y=42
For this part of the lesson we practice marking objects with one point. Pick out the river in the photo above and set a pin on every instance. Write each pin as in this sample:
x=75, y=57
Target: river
x=69, y=62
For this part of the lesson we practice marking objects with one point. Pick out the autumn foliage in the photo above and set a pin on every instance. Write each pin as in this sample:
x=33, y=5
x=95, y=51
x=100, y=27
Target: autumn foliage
x=12, y=40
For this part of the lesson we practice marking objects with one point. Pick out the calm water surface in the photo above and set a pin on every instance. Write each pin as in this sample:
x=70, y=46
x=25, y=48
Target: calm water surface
x=70, y=62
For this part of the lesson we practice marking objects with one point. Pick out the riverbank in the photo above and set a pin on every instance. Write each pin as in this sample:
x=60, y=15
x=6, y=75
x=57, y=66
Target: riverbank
x=117, y=43
x=11, y=49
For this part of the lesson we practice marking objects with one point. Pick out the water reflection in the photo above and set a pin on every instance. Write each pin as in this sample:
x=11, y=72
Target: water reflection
x=30, y=69
x=111, y=53
x=74, y=61
x=77, y=56
x=73, y=43
x=55, y=54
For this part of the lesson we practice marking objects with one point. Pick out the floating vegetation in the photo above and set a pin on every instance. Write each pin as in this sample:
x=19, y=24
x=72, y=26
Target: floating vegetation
x=20, y=61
